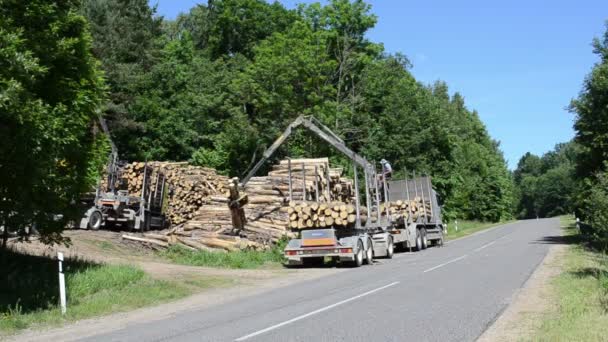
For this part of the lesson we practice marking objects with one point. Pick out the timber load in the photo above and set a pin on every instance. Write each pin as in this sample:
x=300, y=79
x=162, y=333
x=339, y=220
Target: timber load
x=189, y=187
x=409, y=211
x=310, y=215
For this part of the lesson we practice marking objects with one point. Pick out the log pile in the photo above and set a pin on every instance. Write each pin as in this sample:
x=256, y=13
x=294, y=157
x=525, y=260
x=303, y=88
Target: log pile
x=306, y=215
x=413, y=210
x=312, y=179
x=189, y=188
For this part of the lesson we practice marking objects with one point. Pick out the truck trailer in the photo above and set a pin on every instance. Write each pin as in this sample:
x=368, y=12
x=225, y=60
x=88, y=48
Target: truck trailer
x=367, y=239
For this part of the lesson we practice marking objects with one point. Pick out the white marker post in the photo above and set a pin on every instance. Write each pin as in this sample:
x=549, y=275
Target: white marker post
x=456, y=225
x=61, y=283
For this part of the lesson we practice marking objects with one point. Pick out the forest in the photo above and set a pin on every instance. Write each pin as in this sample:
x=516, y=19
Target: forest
x=573, y=178
x=215, y=87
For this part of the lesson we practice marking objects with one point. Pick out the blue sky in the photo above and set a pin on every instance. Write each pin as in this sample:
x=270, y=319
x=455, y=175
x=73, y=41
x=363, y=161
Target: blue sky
x=518, y=63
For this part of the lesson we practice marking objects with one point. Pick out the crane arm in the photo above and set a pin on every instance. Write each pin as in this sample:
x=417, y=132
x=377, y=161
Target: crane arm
x=320, y=130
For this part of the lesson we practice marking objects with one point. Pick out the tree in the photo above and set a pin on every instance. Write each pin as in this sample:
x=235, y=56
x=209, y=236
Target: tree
x=546, y=185
x=591, y=109
x=127, y=40
x=50, y=89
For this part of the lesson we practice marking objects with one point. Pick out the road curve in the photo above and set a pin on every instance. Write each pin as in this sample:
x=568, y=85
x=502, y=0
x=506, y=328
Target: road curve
x=441, y=294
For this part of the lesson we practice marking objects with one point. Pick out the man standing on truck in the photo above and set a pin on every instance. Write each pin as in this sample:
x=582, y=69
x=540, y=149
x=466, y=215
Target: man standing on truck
x=387, y=169
x=387, y=172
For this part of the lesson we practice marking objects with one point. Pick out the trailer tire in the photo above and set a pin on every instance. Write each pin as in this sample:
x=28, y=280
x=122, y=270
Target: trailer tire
x=425, y=241
x=390, y=248
x=418, y=240
x=369, y=253
x=359, y=256
x=95, y=219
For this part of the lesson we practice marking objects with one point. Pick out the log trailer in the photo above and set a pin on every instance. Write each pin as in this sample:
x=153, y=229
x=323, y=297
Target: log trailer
x=364, y=241
x=113, y=206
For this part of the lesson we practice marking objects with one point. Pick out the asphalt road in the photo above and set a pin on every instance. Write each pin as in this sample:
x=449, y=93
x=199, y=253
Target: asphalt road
x=441, y=294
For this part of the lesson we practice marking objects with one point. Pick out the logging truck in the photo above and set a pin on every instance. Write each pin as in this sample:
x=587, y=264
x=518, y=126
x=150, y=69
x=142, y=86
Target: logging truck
x=376, y=231
x=113, y=206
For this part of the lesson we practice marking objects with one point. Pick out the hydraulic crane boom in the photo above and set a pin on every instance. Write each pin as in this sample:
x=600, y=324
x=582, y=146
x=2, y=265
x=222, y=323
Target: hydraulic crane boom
x=320, y=130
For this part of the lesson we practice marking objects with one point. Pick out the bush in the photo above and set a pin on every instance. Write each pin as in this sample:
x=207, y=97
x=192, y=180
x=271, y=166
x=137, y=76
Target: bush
x=596, y=211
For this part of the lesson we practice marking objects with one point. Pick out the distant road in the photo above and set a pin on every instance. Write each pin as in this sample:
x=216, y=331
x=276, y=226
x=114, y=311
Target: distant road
x=441, y=294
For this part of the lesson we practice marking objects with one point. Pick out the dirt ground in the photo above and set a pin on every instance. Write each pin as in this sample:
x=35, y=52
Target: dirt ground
x=524, y=315
x=108, y=247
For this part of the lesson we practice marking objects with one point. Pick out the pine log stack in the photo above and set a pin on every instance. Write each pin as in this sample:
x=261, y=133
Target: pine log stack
x=412, y=210
x=189, y=188
x=310, y=215
x=312, y=179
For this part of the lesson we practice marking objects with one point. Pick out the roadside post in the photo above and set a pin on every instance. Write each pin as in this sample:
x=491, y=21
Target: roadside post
x=61, y=283
x=456, y=225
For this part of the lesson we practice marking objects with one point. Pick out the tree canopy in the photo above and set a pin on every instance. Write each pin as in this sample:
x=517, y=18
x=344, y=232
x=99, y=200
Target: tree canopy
x=50, y=90
x=217, y=85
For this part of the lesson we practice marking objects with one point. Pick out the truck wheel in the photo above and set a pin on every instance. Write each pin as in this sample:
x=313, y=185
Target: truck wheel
x=94, y=220
x=369, y=253
x=425, y=242
x=440, y=241
x=390, y=248
x=418, y=240
x=359, y=256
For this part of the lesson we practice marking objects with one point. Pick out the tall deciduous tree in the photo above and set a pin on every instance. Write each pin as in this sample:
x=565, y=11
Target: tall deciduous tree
x=50, y=89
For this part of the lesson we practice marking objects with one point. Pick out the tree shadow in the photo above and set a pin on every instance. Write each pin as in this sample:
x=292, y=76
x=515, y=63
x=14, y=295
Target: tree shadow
x=594, y=272
x=559, y=240
x=31, y=282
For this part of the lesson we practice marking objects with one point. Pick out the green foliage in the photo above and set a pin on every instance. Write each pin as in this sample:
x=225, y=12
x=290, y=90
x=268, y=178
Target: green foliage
x=50, y=89
x=225, y=79
x=239, y=259
x=596, y=211
x=591, y=109
x=545, y=185
x=29, y=290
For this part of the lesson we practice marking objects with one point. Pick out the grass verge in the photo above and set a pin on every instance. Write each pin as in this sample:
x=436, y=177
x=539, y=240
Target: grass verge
x=469, y=227
x=236, y=260
x=29, y=290
x=581, y=293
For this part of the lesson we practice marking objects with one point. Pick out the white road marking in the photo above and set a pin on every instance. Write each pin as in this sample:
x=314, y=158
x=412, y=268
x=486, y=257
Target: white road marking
x=243, y=338
x=486, y=245
x=445, y=263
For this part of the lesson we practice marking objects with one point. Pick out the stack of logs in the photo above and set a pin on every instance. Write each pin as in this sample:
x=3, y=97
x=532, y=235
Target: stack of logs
x=190, y=188
x=305, y=215
x=312, y=179
x=412, y=211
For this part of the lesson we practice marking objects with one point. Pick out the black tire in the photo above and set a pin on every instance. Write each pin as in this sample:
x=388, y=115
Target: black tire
x=95, y=220
x=440, y=241
x=418, y=240
x=390, y=248
x=425, y=242
x=369, y=253
x=359, y=256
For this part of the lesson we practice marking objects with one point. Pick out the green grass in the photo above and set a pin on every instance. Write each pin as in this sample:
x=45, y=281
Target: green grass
x=29, y=291
x=469, y=227
x=237, y=259
x=581, y=293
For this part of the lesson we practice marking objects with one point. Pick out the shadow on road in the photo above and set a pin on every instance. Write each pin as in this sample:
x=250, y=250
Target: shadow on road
x=559, y=240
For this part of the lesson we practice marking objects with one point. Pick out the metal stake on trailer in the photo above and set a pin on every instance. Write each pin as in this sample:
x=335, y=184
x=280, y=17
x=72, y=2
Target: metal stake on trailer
x=316, y=184
x=289, y=179
x=303, y=182
x=328, y=182
x=357, y=209
x=428, y=184
x=426, y=218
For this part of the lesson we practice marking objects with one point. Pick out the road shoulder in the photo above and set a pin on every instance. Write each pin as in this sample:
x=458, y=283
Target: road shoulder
x=523, y=317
